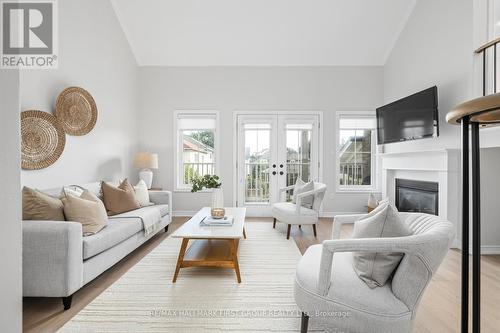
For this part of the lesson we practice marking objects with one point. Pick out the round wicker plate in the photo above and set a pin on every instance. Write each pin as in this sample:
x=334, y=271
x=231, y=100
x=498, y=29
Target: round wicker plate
x=76, y=110
x=42, y=139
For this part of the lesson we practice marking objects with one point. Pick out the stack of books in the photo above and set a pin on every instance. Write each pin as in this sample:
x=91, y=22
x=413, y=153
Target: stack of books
x=209, y=221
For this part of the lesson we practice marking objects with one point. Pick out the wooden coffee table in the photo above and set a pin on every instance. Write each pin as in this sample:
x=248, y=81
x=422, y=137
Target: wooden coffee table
x=215, y=246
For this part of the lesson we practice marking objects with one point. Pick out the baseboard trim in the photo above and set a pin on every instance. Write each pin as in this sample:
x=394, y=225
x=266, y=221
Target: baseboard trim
x=485, y=249
x=488, y=249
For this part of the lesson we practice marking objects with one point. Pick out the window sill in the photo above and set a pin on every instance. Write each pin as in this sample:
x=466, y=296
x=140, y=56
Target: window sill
x=358, y=190
x=188, y=190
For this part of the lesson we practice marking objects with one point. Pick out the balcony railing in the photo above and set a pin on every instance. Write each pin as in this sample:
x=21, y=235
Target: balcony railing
x=257, y=179
x=192, y=170
x=257, y=182
x=353, y=173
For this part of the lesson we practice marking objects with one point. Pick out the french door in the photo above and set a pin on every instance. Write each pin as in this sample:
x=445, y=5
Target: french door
x=273, y=151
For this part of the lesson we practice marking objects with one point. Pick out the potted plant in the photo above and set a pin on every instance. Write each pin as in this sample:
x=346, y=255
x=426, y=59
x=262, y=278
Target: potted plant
x=211, y=182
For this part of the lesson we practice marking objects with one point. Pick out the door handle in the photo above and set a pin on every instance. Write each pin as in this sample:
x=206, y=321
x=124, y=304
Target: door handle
x=281, y=165
x=274, y=173
x=281, y=173
x=274, y=165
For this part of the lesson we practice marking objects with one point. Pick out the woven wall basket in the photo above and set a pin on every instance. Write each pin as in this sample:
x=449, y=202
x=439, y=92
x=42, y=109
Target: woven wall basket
x=42, y=139
x=76, y=110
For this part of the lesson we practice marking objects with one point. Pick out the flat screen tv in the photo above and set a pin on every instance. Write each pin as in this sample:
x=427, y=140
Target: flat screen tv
x=410, y=118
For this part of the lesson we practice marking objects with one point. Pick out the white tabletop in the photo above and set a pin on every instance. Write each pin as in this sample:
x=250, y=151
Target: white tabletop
x=192, y=228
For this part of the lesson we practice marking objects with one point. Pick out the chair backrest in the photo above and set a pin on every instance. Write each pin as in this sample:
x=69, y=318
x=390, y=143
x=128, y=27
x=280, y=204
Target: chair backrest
x=319, y=196
x=433, y=237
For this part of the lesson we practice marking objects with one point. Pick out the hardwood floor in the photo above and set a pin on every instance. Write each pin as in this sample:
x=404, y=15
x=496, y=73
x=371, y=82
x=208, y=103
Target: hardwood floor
x=439, y=310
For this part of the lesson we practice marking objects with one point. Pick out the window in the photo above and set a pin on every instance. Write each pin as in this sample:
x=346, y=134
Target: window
x=196, y=146
x=356, y=152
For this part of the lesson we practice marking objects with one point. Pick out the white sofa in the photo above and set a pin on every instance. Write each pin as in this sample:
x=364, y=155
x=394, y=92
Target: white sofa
x=58, y=260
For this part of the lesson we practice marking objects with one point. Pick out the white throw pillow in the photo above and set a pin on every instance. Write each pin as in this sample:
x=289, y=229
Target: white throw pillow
x=376, y=268
x=142, y=193
x=74, y=190
x=301, y=187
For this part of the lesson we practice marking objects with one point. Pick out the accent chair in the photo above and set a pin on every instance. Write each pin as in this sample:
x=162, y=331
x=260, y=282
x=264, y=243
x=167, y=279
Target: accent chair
x=328, y=290
x=294, y=213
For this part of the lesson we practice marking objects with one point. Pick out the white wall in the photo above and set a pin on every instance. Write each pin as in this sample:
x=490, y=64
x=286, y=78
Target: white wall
x=93, y=54
x=490, y=183
x=227, y=89
x=10, y=204
x=434, y=48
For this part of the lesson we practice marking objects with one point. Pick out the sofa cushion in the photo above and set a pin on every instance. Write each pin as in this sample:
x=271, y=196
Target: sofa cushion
x=87, y=209
x=376, y=268
x=346, y=288
x=117, y=230
x=119, y=199
x=40, y=206
x=142, y=193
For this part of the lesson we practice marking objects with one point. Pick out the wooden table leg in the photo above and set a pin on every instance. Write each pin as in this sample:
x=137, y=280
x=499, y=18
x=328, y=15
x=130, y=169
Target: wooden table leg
x=244, y=233
x=180, y=259
x=234, y=252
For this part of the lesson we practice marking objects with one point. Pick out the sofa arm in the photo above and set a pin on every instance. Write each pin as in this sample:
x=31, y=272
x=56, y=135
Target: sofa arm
x=52, y=258
x=161, y=198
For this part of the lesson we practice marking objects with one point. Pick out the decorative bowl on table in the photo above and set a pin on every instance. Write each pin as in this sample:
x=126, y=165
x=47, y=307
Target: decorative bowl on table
x=218, y=213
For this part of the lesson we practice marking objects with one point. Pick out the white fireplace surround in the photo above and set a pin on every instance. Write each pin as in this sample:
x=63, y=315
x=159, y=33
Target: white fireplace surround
x=441, y=166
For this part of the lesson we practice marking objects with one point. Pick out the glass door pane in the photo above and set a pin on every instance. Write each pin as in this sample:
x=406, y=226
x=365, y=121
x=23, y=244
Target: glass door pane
x=257, y=160
x=298, y=154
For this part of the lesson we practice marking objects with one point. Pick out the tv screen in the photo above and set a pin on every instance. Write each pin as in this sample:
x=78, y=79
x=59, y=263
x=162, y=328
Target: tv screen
x=410, y=118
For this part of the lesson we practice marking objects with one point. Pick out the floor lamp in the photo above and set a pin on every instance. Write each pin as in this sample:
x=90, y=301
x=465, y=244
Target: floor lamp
x=474, y=115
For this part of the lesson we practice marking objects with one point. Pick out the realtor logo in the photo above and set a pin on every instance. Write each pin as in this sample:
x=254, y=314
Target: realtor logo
x=28, y=34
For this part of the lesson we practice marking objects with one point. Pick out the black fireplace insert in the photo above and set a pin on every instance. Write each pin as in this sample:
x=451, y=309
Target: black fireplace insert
x=417, y=196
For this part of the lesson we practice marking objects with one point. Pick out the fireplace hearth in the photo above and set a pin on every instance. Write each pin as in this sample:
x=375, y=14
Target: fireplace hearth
x=417, y=196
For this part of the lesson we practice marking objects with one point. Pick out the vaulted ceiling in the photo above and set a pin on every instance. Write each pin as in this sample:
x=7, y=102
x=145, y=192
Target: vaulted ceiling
x=262, y=32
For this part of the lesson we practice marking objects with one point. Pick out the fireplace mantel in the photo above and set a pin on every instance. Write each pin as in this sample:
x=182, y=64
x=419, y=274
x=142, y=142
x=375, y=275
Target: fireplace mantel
x=441, y=166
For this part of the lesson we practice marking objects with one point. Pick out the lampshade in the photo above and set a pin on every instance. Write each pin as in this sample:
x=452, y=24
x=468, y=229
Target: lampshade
x=146, y=161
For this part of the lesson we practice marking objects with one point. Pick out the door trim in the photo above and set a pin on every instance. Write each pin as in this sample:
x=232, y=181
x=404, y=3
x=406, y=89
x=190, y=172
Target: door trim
x=273, y=113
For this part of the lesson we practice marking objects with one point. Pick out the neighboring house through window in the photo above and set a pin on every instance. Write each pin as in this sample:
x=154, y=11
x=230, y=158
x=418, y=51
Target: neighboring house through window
x=356, y=151
x=196, y=138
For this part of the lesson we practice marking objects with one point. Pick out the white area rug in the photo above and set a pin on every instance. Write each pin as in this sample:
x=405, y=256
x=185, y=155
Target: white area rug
x=203, y=299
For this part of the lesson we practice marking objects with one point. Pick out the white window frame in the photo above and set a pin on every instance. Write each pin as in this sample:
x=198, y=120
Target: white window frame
x=178, y=148
x=374, y=187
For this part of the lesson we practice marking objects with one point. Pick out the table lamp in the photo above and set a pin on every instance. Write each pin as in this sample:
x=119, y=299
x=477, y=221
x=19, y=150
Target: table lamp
x=146, y=161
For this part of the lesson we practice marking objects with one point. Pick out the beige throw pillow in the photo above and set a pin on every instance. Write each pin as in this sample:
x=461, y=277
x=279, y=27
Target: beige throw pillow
x=142, y=193
x=376, y=268
x=87, y=209
x=301, y=187
x=40, y=206
x=119, y=199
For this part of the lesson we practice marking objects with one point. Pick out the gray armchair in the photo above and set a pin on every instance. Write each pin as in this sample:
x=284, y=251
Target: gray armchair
x=328, y=290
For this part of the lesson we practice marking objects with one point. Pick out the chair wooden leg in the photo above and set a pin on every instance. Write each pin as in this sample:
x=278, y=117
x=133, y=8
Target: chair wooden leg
x=314, y=230
x=288, y=231
x=304, y=323
x=274, y=223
